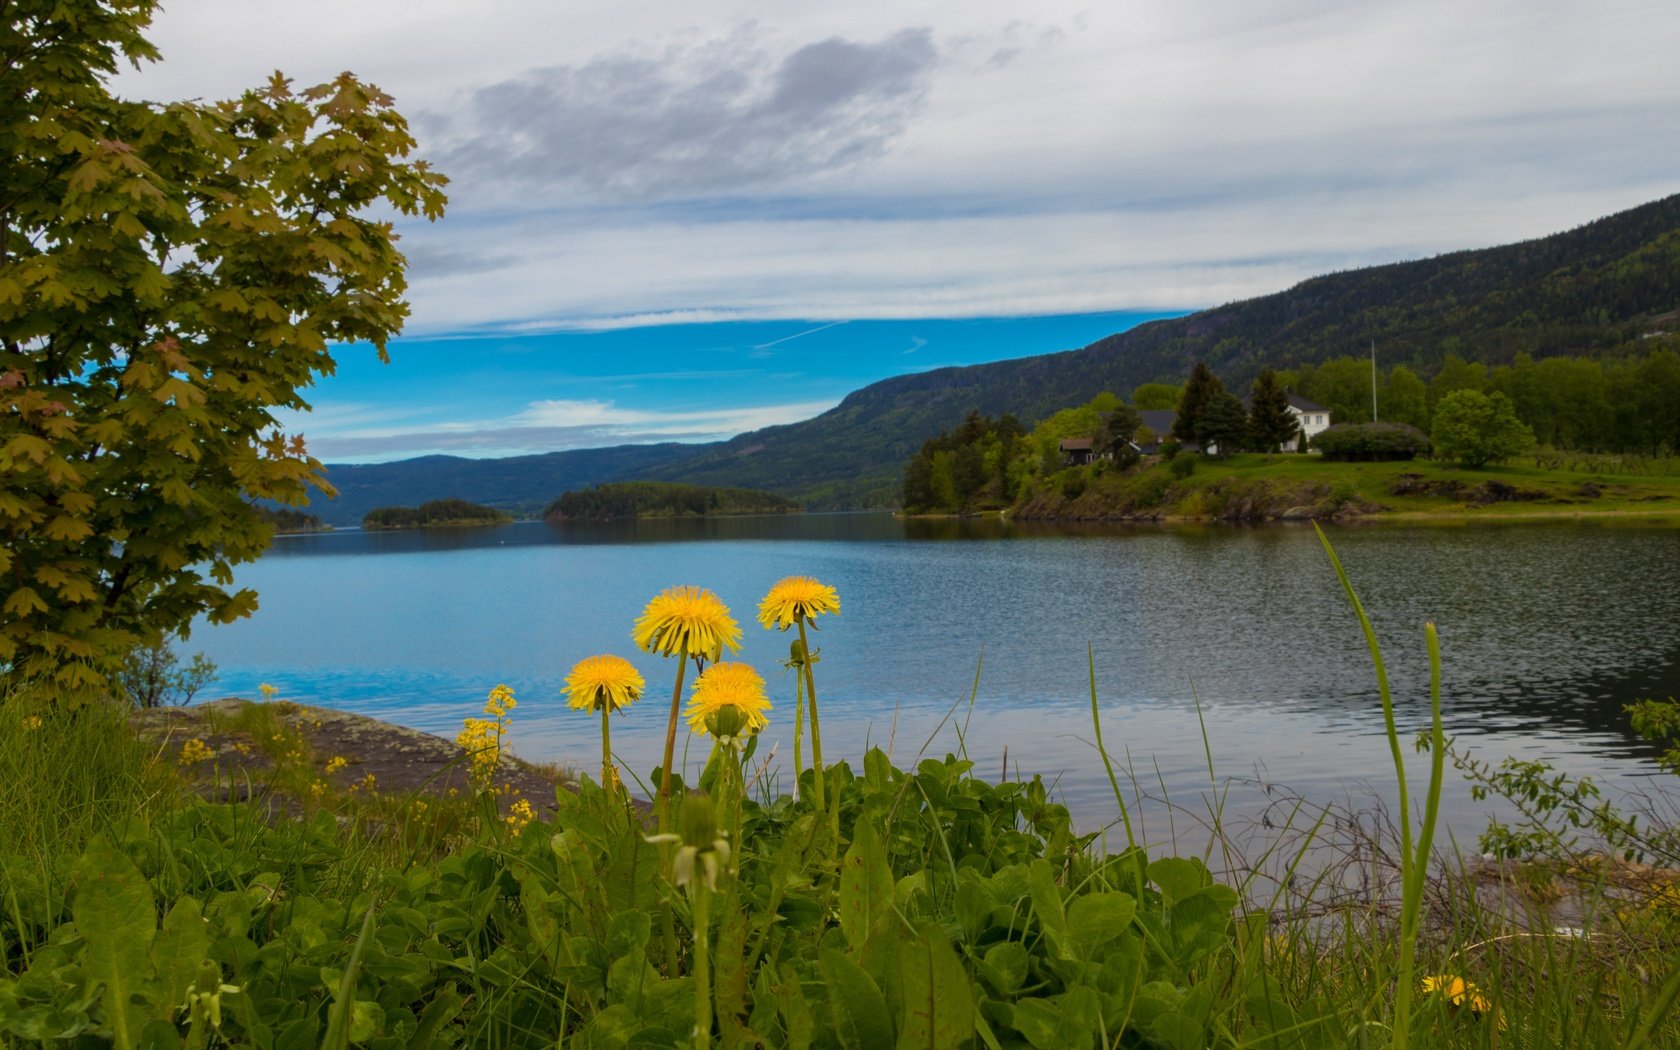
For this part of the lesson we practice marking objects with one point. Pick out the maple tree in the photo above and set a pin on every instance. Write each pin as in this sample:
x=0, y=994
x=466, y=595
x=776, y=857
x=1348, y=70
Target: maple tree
x=171, y=276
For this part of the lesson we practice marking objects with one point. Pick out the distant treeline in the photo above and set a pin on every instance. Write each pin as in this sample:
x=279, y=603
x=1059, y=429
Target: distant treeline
x=654, y=499
x=285, y=519
x=436, y=512
x=1584, y=404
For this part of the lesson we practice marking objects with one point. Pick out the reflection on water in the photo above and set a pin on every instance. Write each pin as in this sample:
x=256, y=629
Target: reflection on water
x=1546, y=632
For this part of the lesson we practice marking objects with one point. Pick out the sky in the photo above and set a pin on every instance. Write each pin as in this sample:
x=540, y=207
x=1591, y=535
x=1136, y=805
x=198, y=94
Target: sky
x=679, y=221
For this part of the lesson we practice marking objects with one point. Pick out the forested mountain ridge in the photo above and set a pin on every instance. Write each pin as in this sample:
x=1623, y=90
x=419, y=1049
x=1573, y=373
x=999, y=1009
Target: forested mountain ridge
x=1586, y=291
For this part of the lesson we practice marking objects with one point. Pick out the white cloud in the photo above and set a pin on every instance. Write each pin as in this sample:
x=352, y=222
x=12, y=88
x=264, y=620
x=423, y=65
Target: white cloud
x=545, y=426
x=637, y=163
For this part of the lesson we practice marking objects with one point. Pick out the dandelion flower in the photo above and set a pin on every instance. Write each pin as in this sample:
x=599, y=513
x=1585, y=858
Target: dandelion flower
x=728, y=701
x=687, y=620
x=603, y=683
x=794, y=599
x=1457, y=991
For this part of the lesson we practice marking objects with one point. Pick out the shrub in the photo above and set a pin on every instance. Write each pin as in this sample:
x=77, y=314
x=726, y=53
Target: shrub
x=1371, y=441
x=1182, y=466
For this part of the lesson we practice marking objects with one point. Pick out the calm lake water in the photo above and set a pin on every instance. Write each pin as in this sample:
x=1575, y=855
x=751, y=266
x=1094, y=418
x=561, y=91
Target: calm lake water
x=1546, y=631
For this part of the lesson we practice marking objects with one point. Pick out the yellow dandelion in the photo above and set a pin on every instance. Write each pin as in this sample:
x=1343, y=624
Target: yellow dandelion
x=728, y=701
x=1457, y=991
x=603, y=683
x=688, y=620
x=794, y=599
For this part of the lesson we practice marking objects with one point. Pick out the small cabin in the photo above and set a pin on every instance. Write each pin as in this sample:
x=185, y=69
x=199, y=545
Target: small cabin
x=1077, y=452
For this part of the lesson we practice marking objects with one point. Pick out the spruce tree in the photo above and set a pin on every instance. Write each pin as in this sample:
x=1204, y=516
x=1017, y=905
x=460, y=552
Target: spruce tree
x=1200, y=387
x=1270, y=423
x=1222, y=423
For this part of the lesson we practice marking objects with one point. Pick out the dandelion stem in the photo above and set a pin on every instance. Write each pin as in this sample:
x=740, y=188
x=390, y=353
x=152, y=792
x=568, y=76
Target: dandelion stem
x=671, y=745
x=702, y=905
x=816, y=731
x=607, y=777
x=798, y=726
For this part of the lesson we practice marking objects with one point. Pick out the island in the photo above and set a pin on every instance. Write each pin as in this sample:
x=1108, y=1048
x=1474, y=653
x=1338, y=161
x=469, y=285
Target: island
x=438, y=513
x=285, y=520
x=618, y=501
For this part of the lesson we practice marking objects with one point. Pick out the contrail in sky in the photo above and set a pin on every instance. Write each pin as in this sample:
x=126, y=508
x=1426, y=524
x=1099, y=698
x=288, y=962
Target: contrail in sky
x=796, y=335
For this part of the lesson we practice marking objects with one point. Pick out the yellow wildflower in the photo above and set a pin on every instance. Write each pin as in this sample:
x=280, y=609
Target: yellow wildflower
x=336, y=763
x=520, y=814
x=500, y=702
x=794, y=599
x=32, y=722
x=603, y=682
x=728, y=701
x=687, y=620
x=267, y=691
x=195, y=750
x=1458, y=992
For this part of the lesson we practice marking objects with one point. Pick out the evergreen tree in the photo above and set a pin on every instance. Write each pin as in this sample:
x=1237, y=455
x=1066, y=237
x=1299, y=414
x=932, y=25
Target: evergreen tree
x=1222, y=423
x=1200, y=387
x=1270, y=423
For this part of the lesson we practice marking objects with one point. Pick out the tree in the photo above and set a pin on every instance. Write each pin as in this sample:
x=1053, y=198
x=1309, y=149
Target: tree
x=1477, y=429
x=1270, y=423
x=1222, y=425
x=170, y=277
x=1115, y=437
x=1155, y=396
x=1197, y=390
x=1404, y=398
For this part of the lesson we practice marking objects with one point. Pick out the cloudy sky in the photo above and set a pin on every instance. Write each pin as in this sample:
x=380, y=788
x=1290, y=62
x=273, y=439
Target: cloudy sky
x=659, y=212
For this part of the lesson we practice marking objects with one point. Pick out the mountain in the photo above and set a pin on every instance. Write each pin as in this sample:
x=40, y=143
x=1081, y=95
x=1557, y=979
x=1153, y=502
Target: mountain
x=1590, y=290
x=520, y=485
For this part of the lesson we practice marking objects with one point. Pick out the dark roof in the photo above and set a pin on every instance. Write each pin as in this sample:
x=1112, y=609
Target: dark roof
x=1302, y=404
x=1159, y=420
x=1076, y=444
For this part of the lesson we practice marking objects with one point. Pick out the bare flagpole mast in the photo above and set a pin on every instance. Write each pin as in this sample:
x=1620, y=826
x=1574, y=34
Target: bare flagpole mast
x=1373, y=380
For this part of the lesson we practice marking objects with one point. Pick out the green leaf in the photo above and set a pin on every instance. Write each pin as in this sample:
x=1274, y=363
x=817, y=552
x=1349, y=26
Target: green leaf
x=113, y=911
x=866, y=886
x=177, y=951
x=1047, y=902
x=1070, y=1020
x=1179, y=877
x=938, y=997
x=1097, y=918
x=860, y=1012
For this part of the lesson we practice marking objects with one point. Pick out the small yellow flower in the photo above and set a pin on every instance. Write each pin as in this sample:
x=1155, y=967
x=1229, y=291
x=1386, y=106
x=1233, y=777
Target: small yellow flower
x=267, y=691
x=32, y=722
x=520, y=814
x=687, y=620
x=1458, y=992
x=728, y=701
x=794, y=599
x=195, y=750
x=336, y=763
x=605, y=681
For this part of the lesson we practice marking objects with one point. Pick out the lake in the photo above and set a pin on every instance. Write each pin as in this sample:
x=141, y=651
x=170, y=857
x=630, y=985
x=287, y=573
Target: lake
x=1546, y=631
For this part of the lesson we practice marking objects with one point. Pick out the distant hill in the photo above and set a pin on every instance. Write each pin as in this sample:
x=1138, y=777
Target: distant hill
x=520, y=485
x=1587, y=291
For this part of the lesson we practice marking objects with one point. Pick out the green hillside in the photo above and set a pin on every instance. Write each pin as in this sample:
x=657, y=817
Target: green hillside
x=1588, y=291
x=1595, y=290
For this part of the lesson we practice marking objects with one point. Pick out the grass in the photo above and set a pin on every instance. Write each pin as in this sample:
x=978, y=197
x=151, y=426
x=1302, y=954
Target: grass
x=945, y=911
x=1253, y=486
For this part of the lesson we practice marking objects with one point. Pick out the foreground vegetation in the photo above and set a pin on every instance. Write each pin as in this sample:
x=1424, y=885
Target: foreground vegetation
x=651, y=499
x=871, y=907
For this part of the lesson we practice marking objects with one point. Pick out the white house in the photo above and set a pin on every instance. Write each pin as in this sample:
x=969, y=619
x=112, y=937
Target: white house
x=1310, y=416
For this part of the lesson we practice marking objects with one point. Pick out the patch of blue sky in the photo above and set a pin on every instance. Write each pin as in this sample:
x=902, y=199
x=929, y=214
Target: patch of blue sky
x=492, y=394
